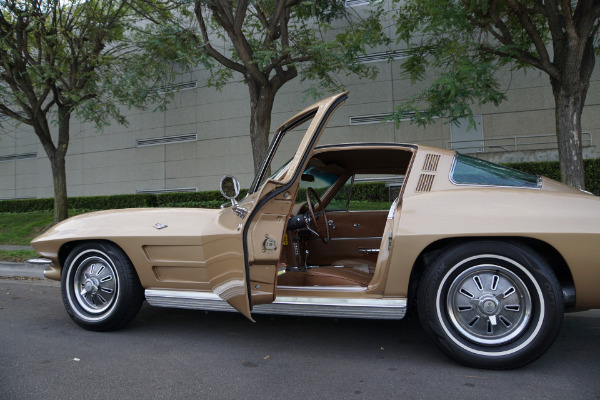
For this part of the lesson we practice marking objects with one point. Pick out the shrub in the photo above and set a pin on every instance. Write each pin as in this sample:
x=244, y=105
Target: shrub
x=551, y=169
x=372, y=191
x=362, y=192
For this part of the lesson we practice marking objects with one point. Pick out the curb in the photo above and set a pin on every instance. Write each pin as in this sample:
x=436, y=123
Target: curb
x=12, y=269
x=14, y=247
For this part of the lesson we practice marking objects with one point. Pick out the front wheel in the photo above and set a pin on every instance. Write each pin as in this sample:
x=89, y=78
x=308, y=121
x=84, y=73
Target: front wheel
x=100, y=288
x=491, y=304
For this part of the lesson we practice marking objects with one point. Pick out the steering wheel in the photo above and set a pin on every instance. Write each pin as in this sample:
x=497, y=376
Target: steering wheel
x=311, y=210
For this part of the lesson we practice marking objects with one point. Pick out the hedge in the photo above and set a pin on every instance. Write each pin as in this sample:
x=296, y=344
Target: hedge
x=376, y=191
x=551, y=169
x=212, y=199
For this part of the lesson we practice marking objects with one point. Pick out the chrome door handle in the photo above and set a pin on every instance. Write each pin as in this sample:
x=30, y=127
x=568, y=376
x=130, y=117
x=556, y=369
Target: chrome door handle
x=368, y=251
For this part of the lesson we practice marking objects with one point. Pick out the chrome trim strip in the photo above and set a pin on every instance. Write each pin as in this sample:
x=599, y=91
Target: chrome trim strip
x=39, y=261
x=350, y=238
x=286, y=305
x=324, y=288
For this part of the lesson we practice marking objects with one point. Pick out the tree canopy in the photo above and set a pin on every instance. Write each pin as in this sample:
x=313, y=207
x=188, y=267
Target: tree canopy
x=271, y=42
x=465, y=42
x=59, y=59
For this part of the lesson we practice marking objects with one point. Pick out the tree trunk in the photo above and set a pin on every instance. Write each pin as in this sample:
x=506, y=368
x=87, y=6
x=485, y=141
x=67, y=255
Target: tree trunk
x=56, y=156
x=60, y=186
x=261, y=106
x=59, y=174
x=569, y=106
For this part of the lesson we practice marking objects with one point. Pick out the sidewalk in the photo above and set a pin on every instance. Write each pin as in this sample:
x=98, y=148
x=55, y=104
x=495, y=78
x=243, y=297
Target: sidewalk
x=11, y=269
x=11, y=247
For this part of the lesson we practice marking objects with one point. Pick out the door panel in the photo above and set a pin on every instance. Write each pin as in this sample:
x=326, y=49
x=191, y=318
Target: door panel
x=354, y=235
x=341, y=251
x=357, y=224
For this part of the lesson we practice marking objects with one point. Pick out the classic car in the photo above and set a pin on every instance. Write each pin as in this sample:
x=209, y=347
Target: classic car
x=489, y=258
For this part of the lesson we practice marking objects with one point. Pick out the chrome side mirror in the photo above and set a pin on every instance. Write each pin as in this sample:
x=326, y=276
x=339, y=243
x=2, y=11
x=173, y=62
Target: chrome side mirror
x=230, y=189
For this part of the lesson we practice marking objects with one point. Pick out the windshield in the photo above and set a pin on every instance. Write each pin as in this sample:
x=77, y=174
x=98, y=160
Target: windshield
x=317, y=179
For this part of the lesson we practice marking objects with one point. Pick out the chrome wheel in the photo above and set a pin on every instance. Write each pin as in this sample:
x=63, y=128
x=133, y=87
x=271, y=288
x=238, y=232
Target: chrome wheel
x=100, y=287
x=95, y=284
x=489, y=304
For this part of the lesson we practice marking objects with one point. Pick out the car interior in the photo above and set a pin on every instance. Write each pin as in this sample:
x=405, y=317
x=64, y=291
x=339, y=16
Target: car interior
x=339, y=221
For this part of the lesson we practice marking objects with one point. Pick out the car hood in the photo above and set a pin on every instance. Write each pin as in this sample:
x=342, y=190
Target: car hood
x=111, y=224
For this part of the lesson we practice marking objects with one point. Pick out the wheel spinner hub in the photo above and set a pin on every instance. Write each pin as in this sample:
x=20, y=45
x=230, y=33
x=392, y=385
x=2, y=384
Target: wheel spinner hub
x=489, y=304
x=91, y=285
x=95, y=284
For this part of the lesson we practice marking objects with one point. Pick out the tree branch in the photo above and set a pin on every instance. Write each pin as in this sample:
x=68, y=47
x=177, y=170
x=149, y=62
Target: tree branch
x=523, y=56
x=228, y=63
x=19, y=117
x=239, y=41
x=533, y=33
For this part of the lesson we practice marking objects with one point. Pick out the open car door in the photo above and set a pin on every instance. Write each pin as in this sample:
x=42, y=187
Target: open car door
x=257, y=224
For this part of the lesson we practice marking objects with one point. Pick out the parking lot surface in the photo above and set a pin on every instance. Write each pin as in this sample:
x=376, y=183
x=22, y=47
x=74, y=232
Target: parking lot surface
x=184, y=354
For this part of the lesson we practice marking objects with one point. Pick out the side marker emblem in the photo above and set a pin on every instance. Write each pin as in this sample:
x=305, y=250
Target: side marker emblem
x=160, y=225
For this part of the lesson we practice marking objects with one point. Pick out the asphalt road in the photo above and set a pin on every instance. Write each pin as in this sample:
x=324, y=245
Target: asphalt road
x=183, y=354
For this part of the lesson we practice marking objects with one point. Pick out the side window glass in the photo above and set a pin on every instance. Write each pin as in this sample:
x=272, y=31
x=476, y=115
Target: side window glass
x=370, y=193
x=367, y=192
x=340, y=200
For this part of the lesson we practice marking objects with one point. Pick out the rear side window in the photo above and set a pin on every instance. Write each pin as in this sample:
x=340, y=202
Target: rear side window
x=474, y=171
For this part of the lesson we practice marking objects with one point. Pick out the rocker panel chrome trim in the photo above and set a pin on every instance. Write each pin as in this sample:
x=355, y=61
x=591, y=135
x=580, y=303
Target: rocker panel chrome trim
x=285, y=305
x=323, y=288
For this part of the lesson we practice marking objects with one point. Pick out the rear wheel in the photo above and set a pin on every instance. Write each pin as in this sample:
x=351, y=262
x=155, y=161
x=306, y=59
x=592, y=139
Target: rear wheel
x=100, y=288
x=491, y=304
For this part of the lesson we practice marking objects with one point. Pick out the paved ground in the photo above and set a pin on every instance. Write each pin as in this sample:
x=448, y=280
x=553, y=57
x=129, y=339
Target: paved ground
x=182, y=354
x=14, y=247
x=12, y=269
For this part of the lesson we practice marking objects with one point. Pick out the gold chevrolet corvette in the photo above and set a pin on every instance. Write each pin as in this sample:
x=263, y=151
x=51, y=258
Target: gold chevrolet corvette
x=489, y=257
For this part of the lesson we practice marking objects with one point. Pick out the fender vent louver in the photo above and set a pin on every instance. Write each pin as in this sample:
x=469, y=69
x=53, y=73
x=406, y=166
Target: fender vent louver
x=431, y=162
x=425, y=183
x=16, y=157
x=192, y=137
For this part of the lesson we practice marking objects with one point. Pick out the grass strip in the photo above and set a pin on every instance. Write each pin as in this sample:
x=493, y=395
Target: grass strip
x=17, y=255
x=21, y=228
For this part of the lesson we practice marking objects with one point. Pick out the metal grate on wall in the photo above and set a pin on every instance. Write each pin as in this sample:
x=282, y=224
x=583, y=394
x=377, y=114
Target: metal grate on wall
x=191, y=137
x=377, y=118
x=356, y=3
x=383, y=56
x=17, y=157
x=368, y=119
x=176, y=87
x=171, y=190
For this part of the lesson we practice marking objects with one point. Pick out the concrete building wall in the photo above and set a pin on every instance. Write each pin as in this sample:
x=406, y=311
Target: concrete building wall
x=111, y=162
